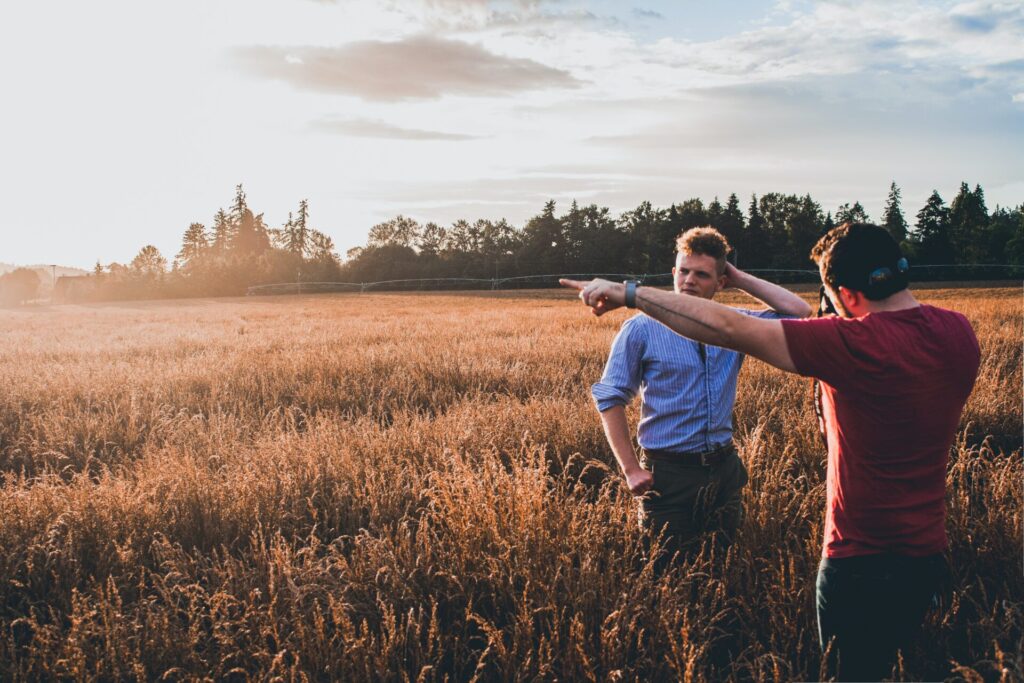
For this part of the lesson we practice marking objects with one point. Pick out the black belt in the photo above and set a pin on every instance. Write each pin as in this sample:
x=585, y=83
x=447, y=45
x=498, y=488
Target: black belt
x=704, y=459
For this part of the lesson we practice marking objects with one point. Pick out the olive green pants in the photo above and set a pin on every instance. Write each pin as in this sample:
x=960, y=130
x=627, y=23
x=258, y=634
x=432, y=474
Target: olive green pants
x=689, y=500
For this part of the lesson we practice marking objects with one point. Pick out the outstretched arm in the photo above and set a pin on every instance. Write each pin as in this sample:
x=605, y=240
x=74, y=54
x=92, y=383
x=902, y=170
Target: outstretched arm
x=691, y=316
x=777, y=298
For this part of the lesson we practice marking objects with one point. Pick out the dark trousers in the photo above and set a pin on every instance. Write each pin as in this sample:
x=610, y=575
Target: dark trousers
x=689, y=500
x=870, y=606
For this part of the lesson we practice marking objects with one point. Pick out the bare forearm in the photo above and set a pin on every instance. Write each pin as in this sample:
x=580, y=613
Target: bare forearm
x=616, y=430
x=695, y=318
x=777, y=298
x=690, y=316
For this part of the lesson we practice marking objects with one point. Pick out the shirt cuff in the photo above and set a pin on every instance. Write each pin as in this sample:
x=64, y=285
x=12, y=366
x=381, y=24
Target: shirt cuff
x=606, y=396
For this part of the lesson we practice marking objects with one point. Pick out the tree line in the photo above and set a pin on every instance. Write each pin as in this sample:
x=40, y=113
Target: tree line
x=776, y=231
x=237, y=251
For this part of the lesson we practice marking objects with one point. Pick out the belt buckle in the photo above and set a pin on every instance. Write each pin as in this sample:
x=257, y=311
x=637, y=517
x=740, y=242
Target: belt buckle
x=704, y=459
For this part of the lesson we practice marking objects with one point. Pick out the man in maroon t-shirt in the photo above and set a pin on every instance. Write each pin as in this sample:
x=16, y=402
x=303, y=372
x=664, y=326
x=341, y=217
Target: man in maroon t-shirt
x=895, y=377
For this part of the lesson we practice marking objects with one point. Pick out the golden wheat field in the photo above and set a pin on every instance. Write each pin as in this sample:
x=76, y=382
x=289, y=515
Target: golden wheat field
x=416, y=487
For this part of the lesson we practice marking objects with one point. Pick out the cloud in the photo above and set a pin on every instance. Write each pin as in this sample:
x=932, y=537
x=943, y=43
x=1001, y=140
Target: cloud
x=1013, y=66
x=418, y=67
x=642, y=13
x=984, y=17
x=365, y=128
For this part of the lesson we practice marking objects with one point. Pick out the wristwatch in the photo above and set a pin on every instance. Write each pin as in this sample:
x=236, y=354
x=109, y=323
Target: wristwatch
x=630, y=293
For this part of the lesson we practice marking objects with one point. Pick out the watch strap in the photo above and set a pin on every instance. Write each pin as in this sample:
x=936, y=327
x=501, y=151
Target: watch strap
x=630, y=293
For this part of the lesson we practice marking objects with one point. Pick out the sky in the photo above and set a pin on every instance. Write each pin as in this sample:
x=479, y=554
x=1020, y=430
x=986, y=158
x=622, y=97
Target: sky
x=123, y=122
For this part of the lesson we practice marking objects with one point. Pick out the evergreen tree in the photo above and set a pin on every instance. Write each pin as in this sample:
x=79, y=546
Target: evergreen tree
x=892, y=218
x=194, y=246
x=239, y=206
x=651, y=236
x=542, y=243
x=755, y=238
x=692, y=214
x=731, y=224
x=1002, y=229
x=251, y=238
x=301, y=229
x=931, y=232
x=574, y=232
x=1014, y=250
x=223, y=232
x=852, y=214
x=829, y=223
x=776, y=210
x=805, y=225
x=715, y=213
x=968, y=224
x=680, y=218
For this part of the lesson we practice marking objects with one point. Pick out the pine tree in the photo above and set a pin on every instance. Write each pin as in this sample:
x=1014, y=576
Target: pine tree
x=543, y=242
x=194, y=246
x=223, y=233
x=893, y=219
x=651, y=233
x=1014, y=250
x=731, y=224
x=715, y=213
x=294, y=236
x=805, y=225
x=755, y=238
x=852, y=214
x=931, y=233
x=968, y=224
x=301, y=228
x=573, y=232
x=239, y=206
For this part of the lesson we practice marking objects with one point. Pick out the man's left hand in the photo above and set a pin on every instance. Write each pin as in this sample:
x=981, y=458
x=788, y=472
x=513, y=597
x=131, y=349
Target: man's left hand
x=733, y=276
x=601, y=295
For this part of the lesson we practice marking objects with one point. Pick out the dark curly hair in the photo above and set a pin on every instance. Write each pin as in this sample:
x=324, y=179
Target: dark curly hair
x=862, y=257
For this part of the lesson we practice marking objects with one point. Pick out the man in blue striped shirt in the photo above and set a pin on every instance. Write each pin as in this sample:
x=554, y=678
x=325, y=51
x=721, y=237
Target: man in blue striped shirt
x=689, y=475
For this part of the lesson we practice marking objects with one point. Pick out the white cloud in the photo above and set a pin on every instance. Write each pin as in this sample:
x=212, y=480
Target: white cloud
x=416, y=67
x=380, y=129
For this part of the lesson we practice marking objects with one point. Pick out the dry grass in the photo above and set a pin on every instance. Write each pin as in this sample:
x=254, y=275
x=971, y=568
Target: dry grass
x=416, y=487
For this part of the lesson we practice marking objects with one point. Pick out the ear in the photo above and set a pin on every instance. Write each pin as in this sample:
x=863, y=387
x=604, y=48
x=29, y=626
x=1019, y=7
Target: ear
x=721, y=282
x=851, y=298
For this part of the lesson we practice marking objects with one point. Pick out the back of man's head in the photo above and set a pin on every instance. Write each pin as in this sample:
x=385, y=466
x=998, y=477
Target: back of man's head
x=704, y=242
x=861, y=257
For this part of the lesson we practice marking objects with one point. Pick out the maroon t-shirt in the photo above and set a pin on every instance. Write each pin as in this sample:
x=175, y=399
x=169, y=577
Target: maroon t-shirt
x=893, y=387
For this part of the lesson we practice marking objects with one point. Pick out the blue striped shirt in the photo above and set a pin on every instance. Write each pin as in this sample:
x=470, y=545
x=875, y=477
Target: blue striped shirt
x=686, y=397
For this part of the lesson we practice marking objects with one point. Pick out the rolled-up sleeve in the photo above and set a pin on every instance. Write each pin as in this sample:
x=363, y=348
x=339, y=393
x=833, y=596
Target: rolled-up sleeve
x=623, y=372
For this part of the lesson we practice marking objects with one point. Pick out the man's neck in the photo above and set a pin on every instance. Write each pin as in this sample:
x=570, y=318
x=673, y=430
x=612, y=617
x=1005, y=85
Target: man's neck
x=897, y=302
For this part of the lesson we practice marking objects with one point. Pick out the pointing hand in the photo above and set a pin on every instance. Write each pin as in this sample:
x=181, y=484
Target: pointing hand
x=601, y=295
